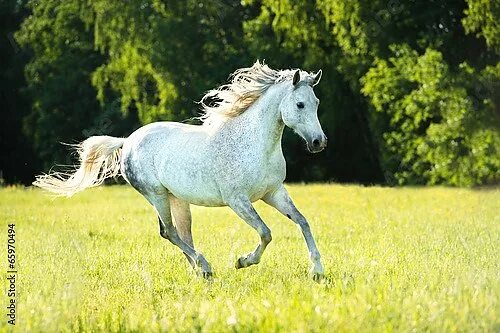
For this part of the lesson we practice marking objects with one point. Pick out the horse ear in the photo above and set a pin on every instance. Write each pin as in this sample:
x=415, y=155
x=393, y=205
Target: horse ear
x=317, y=77
x=296, y=77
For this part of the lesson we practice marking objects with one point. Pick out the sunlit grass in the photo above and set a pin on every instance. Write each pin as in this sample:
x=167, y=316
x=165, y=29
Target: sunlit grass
x=396, y=260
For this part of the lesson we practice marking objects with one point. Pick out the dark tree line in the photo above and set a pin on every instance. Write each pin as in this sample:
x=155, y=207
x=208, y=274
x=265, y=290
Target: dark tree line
x=410, y=93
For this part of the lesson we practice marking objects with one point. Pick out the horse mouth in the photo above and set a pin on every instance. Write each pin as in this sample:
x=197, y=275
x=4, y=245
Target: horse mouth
x=314, y=150
x=316, y=145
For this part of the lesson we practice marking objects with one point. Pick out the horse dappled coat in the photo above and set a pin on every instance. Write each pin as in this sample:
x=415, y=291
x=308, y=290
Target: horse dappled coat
x=233, y=159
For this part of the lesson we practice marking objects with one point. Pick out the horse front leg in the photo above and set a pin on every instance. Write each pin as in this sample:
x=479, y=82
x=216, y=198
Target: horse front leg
x=244, y=209
x=280, y=199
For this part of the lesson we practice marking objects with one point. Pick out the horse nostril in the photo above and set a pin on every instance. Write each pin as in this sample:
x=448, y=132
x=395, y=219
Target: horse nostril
x=315, y=143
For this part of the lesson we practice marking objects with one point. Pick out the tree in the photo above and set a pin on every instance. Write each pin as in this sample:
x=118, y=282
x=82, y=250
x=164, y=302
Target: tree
x=153, y=66
x=437, y=132
x=370, y=45
x=410, y=90
x=294, y=34
x=63, y=101
x=17, y=160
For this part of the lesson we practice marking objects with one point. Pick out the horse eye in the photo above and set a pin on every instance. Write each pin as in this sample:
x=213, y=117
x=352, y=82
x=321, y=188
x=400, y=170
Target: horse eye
x=300, y=105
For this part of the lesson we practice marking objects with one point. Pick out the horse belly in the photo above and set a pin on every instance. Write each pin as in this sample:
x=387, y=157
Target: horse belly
x=188, y=180
x=195, y=192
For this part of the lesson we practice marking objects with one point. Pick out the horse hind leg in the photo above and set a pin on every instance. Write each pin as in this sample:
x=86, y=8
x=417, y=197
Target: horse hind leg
x=160, y=201
x=182, y=220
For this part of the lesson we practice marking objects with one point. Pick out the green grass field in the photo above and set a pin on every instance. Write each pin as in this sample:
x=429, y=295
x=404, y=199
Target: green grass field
x=408, y=259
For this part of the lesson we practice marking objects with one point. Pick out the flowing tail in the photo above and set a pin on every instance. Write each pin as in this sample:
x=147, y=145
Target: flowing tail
x=99, y=159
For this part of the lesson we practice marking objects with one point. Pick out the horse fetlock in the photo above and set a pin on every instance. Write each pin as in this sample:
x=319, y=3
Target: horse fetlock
x=202, y=263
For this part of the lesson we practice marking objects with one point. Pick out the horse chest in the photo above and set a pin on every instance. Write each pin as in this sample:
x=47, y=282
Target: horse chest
x=252, y=173
x=267, y=180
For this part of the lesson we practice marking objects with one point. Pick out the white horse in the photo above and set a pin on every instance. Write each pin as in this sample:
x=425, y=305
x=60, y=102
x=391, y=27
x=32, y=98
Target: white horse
x=233, y=159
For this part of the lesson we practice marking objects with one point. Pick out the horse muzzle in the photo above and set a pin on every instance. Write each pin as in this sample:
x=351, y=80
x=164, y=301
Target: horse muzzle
x=317, y=144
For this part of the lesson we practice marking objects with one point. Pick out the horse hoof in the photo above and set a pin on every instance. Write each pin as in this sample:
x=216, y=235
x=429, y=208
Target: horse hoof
x=239, y=264
x=317, y=277
x=207, y=275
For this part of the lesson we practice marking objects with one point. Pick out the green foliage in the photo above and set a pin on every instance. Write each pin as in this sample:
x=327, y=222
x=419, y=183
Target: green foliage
x=64, y=102
x=409, y=90
x=432, y=123
x=482, y=18
x=17, y=160
x=365, y=29
x=125, y=33
x=133, y=77
x=156, y=69
x=294, y=34
x=428, y=261
x=435, y=132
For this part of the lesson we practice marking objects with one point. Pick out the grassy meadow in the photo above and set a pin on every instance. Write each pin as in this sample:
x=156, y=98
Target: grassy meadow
x=396, y=259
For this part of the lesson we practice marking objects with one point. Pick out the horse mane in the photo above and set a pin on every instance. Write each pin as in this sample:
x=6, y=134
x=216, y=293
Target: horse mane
x=246, y=85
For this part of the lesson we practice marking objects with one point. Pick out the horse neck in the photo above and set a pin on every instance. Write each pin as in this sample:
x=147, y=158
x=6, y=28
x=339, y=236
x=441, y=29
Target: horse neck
x=263, y=118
